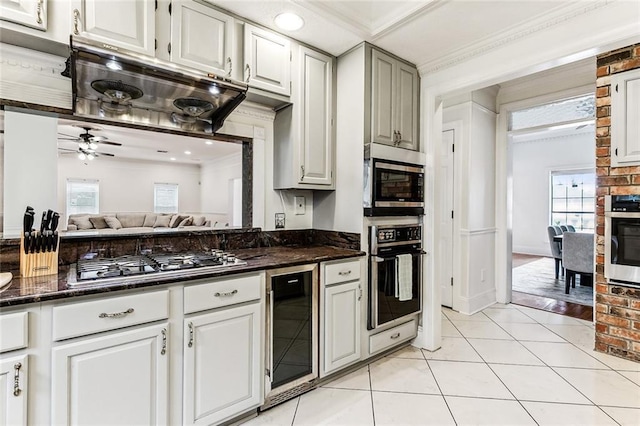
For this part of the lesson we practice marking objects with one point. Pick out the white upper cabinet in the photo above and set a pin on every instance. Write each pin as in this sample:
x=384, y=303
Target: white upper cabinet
x=316, y=124
x=202, y=38
x=625, y=126
x=394, y=101
x=304, y=132
x=128, y=24
x=31, y=13
x=267, y=60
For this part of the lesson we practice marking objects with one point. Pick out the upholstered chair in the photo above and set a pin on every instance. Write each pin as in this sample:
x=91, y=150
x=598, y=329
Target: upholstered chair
x=577, y=256
x=564, y=228
x=556, y=250
x=571, y=228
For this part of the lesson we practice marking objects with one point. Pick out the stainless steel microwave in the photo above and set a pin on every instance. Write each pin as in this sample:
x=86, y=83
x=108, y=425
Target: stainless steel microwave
x=622, y=239
x=393, y=188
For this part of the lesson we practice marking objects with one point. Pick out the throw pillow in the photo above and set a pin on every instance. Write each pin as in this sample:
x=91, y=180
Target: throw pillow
x=131, y=220
x=162, y=221
x=186, y=222
x=82, y=222
x=98, y=222
x=113, y=222
x=199, y=221
x=175, y=220
x=149, y=220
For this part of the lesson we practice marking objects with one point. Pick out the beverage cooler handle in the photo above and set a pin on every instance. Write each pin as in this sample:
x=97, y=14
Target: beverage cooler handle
x=271, y=336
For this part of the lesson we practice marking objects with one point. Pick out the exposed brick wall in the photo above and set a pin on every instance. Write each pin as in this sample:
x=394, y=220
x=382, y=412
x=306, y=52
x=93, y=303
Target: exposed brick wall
x=617, y=308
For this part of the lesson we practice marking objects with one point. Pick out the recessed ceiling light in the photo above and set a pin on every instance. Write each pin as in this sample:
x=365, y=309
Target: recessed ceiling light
x=188, y=152
x=289, y=21
x=209, y=143
x=173, y=159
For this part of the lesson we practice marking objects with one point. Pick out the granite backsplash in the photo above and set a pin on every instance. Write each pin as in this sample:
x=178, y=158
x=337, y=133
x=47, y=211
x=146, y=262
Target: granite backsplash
x=75, y=247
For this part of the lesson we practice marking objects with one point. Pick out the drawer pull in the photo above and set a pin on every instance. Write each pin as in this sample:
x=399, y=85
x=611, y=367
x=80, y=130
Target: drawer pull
x=344, y=273
x=16, y=379
x=116, y=314
x=164, y=342
x=190, y=344
x=225, y=294
x=39, y=12
x=395, y=336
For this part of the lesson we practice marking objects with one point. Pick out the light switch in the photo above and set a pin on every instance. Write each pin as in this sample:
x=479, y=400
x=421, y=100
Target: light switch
x=299, y=205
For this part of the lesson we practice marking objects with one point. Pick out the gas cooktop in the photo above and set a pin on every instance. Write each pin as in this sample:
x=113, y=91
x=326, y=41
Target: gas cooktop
x=92, y=270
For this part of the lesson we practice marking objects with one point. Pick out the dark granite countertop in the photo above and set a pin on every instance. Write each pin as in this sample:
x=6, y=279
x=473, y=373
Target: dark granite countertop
x=38, y=289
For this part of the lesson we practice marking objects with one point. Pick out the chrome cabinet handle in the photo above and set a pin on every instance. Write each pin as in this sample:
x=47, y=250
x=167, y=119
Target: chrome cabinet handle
x=116, y=314
x=230, y=66
x=164, y=342
x=301, y=172
x=395, y=336
x=247, y=70
x=359, y=292
x=76, y=19
x=39, y=12
x=190, y=344
x=344, y=273
x=16, y=379
x=226, y=294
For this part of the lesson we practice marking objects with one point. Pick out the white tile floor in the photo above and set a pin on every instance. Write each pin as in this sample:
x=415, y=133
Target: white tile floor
x=508, y=365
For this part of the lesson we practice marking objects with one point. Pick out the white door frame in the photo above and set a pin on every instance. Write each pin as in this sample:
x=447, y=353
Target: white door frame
x=504, y=186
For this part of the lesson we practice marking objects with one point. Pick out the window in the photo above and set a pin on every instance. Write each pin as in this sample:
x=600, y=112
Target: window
x=573, y=198
x=165, y=197
x=554, y=113
x=83, y=196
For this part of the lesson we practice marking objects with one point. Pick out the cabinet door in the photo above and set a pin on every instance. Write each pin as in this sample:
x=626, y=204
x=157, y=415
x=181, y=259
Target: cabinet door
x=383, y=94
x=128, y=25
x=267, y=58
x=407, y=106
x=201, y=37
x=316, y=120
x=341, y=325
x=13, y=391
x=31, y=13
x=116, y=379
x=221, y=364
x=625, y=126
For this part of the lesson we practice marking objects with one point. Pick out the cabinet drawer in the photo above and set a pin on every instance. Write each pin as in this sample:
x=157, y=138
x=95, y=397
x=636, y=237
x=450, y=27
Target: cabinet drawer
x=110, y=313
x=389, y=338
x=14, y=331
x=340, y=272
x=223, y=292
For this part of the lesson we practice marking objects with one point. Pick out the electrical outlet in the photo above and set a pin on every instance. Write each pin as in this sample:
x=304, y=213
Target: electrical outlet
x=299, y=204
x=279, y=220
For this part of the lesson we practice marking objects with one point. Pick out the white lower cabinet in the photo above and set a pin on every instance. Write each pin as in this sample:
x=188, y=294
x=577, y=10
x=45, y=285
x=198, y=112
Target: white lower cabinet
x=13, y=391
x=119, y=378
x=340, y=321
x=222, y=375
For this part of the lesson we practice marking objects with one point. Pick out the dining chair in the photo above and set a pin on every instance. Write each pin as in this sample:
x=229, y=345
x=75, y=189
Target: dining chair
x=556, y=249
x=577, y=257
x=564, y=228
x=571, y=228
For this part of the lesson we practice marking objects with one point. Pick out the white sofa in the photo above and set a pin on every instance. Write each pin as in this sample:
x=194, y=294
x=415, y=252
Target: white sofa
x=141, y=221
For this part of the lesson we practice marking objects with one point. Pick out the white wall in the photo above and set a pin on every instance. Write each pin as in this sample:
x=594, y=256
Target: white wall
x=214, y=184
x=127, y=185
x=30, y=152
x=533, y=162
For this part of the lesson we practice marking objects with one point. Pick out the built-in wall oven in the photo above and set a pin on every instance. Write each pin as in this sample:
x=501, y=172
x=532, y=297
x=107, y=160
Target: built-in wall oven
x=292, y=332
x=622, y=239
x=393, y=188
x=395, y=273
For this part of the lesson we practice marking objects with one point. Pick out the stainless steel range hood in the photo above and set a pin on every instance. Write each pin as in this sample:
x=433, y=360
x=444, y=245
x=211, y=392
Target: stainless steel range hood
x=118, y=86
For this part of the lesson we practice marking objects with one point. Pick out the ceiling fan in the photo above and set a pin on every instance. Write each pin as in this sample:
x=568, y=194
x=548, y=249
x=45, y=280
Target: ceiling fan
x=87, y=144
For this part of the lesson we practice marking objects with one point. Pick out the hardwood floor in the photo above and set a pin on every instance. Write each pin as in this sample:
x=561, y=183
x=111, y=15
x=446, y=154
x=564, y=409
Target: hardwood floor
x=574, y=310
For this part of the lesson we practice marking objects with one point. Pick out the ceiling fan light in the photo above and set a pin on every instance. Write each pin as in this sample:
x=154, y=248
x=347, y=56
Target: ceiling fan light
x=83, y=145
x=288, y=21
x=93, y=146
x=90, y=157
x=81, y=156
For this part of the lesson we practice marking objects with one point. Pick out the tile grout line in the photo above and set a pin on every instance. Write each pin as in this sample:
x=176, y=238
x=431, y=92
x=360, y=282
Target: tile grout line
x=373, y=406
x=439, y=388
x=295, y=412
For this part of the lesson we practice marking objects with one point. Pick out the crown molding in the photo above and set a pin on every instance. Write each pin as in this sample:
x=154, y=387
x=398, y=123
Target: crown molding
x=32, y=60
x=543, y=22
x=253, y=110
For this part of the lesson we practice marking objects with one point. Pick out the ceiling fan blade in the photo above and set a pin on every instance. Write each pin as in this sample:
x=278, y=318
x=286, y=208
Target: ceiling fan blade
x=67, y=149
x=106, y=154
x=70, y=139
x=109, y=143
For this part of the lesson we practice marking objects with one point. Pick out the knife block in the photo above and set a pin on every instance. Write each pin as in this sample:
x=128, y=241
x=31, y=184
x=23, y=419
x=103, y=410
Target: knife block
x=38, y=264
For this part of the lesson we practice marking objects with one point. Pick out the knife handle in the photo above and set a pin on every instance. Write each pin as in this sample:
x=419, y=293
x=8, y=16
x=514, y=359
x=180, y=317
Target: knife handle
x=26, y=242
x=43, y=223
x=55, y=241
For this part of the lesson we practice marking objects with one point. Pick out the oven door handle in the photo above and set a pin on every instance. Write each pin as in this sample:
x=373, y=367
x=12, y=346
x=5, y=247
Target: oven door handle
x=379, y=259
